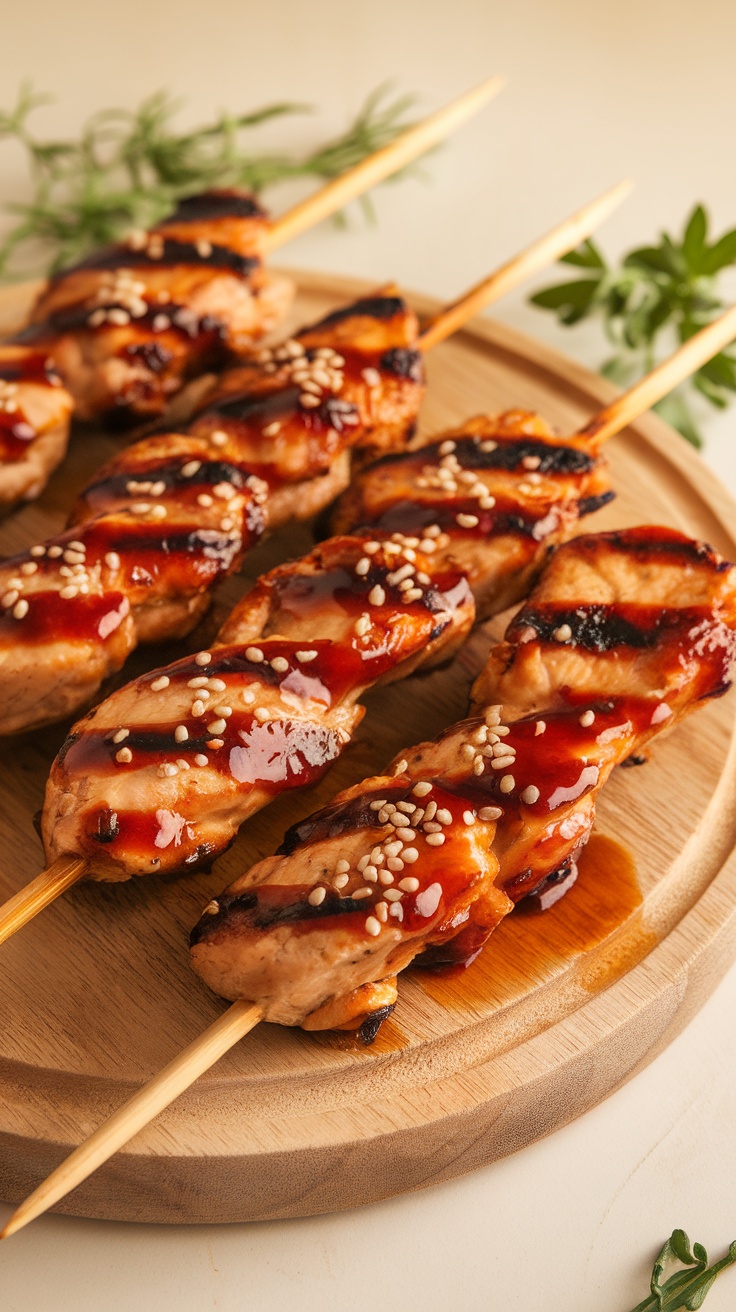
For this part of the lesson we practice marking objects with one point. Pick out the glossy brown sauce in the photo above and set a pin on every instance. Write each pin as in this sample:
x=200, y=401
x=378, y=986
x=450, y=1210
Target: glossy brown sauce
x=529, y=948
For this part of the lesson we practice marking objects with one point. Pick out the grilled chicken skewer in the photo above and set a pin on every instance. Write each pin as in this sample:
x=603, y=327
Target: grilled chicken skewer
x=157, y=528
x=624, y=635
x=131, y=323
x=158, y=797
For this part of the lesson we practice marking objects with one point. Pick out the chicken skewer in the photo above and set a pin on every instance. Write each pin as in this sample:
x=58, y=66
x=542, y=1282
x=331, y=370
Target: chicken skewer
x=130, y=324
x=164, y=773
x=35, y=414
x=158, y=527
x=624, y=635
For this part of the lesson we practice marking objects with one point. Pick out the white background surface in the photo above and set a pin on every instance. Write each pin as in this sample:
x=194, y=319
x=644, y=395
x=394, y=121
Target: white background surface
x=596, y=91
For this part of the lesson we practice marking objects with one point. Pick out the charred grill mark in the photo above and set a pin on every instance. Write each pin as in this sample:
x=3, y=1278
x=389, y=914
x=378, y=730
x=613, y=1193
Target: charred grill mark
x=115, y=485
x=222, y=204
x=268, y=907
x=601, y=628
x=173, y=252
x=507, y=455
x=404, y=362
x=332, y=821
x=587, y=505
x=655, y=543
x=372, y=307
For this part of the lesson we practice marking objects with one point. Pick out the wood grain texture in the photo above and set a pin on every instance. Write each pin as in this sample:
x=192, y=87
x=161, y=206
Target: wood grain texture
x=560, y=1009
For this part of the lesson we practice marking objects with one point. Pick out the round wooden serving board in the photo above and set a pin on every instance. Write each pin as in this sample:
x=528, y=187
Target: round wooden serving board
x=559, y=1010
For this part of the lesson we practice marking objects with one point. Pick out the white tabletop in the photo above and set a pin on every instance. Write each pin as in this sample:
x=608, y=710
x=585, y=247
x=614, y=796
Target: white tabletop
x=596, y=92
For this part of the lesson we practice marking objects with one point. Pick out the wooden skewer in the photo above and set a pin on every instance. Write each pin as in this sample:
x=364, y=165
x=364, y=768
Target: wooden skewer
x=205, y=1050
x=564, y=237
x=43, y=890
x=669, y=374
x=389, y=159
x=222, y=1035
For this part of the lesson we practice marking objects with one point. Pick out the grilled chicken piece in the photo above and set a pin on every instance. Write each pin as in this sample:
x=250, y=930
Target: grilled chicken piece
x=498, y=489
x=35, y=413
x=130, y=323
x=383, y=602
x=161, y=776
x=161, y=524
x=625, y=634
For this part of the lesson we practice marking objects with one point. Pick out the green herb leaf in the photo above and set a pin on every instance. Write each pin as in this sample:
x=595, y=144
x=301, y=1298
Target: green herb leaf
x=686, y=1289
x=656, y=293
x=128, y=169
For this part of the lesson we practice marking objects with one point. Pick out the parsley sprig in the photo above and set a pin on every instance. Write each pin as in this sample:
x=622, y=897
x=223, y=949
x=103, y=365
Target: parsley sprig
x=654, y=293
x=128, y=168
x=686, y=1288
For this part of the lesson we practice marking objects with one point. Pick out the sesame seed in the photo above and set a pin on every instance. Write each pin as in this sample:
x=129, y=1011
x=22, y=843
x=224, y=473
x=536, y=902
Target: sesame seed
x=363, y=625
x=478, y=765
x=431, y=811
x=112, y=560
x=340, y=881
x=373, y=926
x=587, y=718
x=444, y=816
x=507, y=784
x=381, y=911
x=421, y=789
x=468, y=750
x=406, y=835
x=395, y=863
x=490, y=813
x=377, y=805
x=9, y=598
x=254, y=655
x=55, y=552
x=199, y=682
x=385, y=877
x=410, y=884
x=272, y=429
x=68, y=592
x=407, y=807
x=20, y=609
x=121, y=735
x=198, y=707
x=468, y=817
x=400, y=766
x=168, y=770
x=306, y=656
x=279, y=664
x=377, y=596
x=361, y=893
x=530, y=795
x=204, y=499
x=447, y=447
x=362, y=566
x=215, y=743
x=370, y=874
x=432, y=827
x=217, y=685
x=202, y=658
x=317, y=896
x=30, y=567
x=38, y=551
x=393, y=895
x=467, y=521
x=200, y=759
x=563, y=633
x=435, y=840
x=371, y=377
x=502, y=762
x=261, y=714
x=218, y=438
x=124, y=756
x=181, y=733
x=410, y=855
x=539, y=728
x=159, y=684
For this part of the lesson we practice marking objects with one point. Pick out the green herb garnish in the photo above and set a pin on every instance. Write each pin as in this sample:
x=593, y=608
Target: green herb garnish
x=684, y=1289
x=128, y=168
x=655, y=293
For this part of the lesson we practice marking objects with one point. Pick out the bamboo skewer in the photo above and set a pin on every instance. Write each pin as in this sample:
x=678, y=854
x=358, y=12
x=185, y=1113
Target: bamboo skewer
x=565, y=236
x=243, y=1016
x=136, y=1113
x=412, y=143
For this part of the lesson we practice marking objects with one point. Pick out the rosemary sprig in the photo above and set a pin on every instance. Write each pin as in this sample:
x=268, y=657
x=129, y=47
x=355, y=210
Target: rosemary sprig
x=654, y=293
x=684, y=1289
x=128, y=168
